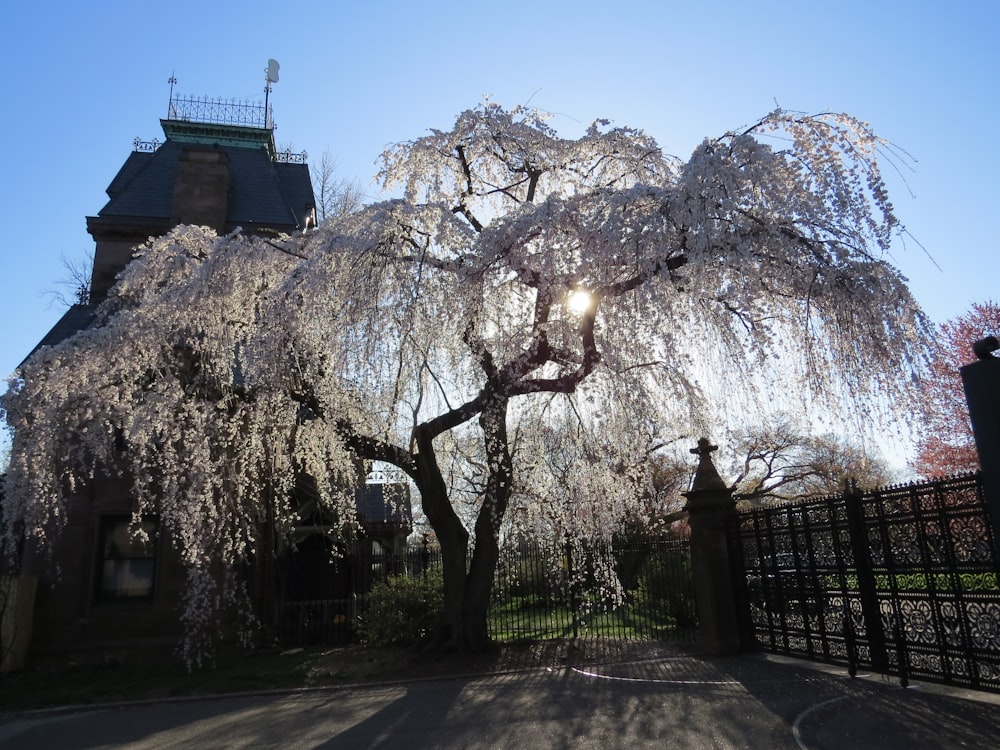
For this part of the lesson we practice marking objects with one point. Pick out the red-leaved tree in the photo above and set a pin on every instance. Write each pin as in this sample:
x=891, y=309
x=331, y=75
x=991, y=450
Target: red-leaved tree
x=946, y=445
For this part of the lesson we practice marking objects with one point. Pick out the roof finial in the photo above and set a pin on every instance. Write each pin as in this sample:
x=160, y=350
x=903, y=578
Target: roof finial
x=170, y=105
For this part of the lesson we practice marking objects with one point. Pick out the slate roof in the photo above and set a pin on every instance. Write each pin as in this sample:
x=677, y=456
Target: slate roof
x=75, y=319
x=377, y=505
x=263, y=193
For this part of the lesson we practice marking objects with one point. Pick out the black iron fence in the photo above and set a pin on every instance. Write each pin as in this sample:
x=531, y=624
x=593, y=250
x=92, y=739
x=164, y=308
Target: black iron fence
x=636, y=590
x=346, y=582
x=901, y=580
x=639, y=589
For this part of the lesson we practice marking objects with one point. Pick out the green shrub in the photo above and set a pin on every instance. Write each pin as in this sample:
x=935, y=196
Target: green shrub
x=402, y=610
x=532, y=580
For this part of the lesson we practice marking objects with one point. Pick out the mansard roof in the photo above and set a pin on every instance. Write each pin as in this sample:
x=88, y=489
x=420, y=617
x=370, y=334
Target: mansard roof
x=75, y=319
x=263, y=192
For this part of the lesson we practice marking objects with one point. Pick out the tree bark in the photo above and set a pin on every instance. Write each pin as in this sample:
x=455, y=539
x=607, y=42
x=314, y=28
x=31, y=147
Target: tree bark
x=479, y=581
x=451, y=534
x=468, y=584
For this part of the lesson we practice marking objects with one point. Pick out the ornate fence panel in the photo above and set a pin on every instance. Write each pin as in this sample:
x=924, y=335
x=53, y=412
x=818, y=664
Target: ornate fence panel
x=902, y=581
x=792, y=554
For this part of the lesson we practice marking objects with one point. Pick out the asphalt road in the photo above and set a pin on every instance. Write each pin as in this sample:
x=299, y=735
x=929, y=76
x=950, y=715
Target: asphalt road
x=675, y=702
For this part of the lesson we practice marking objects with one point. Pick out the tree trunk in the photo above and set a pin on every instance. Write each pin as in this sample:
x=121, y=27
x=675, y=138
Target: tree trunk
x=479, y=581
x=452, y=536
x=467, y=590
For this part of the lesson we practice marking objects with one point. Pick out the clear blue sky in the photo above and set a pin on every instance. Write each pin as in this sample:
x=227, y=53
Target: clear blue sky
x=82, y=80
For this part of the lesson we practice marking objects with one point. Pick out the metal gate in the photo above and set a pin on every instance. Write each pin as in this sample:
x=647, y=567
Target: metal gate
x=901, y=580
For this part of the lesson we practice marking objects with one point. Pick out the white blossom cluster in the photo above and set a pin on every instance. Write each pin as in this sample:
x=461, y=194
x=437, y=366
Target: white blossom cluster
x=434, y=333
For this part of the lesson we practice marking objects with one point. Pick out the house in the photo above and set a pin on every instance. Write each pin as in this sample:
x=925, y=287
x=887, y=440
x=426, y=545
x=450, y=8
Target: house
x=102, y=587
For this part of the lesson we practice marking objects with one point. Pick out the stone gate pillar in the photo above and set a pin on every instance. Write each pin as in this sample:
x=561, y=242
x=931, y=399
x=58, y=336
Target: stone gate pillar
x=981, y=381
x=711, y=512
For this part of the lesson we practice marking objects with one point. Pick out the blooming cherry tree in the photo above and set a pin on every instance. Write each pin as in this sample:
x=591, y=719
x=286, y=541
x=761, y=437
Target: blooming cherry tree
x=524, y=286
x=946, y=444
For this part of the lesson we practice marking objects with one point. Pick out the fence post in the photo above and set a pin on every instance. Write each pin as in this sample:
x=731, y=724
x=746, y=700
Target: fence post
x=981, y=382
x=574, y=603
x=867, y=594
x=711, y=513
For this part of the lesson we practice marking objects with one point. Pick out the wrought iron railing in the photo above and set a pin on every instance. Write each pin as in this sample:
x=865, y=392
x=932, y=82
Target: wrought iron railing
x=900, y=580
x=146, y=146
x=289, y=157
x=220, y=111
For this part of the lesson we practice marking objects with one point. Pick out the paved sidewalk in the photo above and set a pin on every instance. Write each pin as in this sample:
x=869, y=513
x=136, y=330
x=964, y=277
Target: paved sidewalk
x=626, y=698
x=823, y=708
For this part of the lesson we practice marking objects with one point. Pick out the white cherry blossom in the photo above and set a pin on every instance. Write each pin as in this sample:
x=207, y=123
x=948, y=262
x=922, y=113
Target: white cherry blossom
x=435, y=333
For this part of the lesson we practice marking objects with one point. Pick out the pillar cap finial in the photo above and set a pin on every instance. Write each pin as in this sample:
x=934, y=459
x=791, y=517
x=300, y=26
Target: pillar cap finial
x=706, y=477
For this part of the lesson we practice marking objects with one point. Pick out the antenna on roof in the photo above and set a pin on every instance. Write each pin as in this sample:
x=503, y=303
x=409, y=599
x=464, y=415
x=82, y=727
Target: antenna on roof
x=270, y=76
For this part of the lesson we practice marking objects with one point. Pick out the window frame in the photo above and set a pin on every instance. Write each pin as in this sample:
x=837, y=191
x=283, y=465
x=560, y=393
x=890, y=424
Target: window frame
x=133, y=552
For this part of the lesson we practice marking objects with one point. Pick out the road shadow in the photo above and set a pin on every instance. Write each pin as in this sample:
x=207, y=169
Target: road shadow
x=828, y=709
